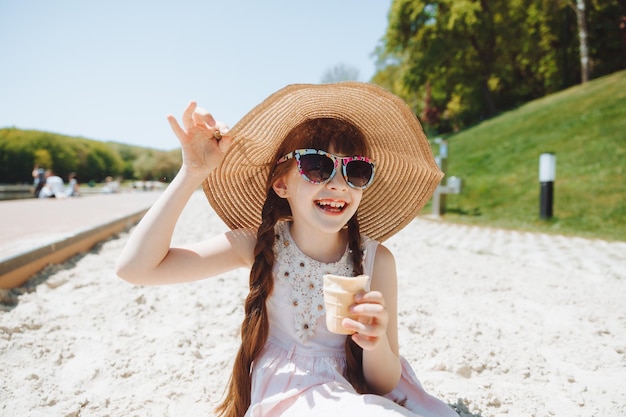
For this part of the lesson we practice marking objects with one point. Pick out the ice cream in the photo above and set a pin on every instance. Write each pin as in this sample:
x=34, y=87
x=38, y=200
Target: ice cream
x=339, y=294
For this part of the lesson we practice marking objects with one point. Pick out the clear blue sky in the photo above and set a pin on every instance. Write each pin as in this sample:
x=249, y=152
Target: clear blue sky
x=113, y=69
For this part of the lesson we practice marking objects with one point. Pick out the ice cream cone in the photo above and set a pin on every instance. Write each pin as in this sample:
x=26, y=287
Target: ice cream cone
x=339, y=292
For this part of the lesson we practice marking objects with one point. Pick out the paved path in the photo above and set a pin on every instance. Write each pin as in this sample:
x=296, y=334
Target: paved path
x=35, y=232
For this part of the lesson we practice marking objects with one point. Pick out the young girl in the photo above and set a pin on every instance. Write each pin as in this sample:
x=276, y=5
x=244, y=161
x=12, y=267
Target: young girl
x=309, y=182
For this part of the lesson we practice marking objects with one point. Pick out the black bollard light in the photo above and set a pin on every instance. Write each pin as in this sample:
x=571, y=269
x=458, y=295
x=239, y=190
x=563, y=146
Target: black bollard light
x=547, y=175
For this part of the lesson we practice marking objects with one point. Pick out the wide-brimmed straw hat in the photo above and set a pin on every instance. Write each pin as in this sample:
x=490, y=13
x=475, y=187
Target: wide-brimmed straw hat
x=406, y=172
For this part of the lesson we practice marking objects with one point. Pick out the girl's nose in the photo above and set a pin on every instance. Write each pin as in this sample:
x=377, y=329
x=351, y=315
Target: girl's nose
x=338, y=182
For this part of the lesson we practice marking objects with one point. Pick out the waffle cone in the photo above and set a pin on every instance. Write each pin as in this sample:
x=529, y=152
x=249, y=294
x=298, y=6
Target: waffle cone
x=339, y=292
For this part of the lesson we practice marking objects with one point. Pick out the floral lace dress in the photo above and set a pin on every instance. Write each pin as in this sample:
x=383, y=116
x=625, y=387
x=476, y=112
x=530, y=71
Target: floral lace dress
x=300, y=370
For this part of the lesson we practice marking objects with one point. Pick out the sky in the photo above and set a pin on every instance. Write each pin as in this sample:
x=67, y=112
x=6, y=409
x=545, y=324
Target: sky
x=113, y=70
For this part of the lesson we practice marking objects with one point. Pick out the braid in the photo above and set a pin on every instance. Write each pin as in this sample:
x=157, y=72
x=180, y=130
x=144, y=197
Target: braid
x=255, y=326
x=354, y=244
x=354, y=353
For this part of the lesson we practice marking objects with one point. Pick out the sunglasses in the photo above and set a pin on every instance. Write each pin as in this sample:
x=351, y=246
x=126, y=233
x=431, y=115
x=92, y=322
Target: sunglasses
x=319, y=167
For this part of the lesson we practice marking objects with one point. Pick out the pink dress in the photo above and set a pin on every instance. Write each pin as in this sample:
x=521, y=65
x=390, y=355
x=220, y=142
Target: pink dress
x=300, y=371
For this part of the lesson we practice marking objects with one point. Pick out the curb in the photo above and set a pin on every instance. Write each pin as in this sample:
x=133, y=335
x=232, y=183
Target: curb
x=16, y=270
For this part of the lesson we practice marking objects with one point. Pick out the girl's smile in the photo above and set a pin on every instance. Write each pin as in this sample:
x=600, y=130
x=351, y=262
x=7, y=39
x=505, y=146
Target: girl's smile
x=331, y=206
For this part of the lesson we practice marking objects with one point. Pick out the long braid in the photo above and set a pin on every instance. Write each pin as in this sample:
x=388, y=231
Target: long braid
x=255, y=327
x=354, y=353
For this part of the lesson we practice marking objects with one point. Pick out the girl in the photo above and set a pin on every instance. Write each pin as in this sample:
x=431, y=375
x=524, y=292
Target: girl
x=309, y=182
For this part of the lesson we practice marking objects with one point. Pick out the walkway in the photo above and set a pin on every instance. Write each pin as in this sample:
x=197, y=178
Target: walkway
x=37, y=232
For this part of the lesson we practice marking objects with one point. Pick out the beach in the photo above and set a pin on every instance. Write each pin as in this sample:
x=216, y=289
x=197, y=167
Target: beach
x=509, y=323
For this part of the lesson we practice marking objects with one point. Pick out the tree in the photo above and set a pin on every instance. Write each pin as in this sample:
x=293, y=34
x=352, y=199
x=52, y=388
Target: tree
x=389, y=73
x=445, y=43
x=143, y=167
x=479, y=57
x=606, y=29
x=340, y=72
x=21, y=149
x=42, y=158
x=583, y=36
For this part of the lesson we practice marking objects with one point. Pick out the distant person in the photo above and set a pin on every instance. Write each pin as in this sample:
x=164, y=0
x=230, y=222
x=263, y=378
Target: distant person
x=72, y=186
x=110, y=185
x=54, y=186
x=39, y=179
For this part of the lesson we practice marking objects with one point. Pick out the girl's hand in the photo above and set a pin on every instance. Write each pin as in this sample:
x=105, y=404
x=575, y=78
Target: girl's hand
x=202, y=151
x=371, y=324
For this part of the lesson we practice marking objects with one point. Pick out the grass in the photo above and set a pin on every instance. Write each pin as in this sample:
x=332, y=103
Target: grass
x=498, y=160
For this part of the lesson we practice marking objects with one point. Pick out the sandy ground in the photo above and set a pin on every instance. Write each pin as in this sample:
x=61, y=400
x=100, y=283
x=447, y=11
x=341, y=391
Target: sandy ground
x=513, y=324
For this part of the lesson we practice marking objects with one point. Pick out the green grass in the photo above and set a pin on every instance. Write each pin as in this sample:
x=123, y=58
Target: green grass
x=498, y=160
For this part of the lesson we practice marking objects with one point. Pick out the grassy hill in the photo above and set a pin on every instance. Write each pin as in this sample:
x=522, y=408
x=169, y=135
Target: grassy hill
x=498, y=160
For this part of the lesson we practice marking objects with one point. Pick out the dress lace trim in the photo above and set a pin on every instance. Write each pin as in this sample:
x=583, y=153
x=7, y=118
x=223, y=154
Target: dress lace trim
x=303, y=275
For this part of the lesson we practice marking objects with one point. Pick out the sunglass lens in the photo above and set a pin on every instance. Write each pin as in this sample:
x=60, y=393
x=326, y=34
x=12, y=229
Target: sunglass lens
x=317, y=168
x=359, y=173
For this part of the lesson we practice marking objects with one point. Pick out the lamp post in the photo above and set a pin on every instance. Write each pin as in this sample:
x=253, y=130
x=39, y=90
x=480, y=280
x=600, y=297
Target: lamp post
x=547, y=175
x=452, y=185
x=439, y=200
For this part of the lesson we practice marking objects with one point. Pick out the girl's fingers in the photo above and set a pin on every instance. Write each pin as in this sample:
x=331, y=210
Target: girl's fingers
x=178, y=131
x=198, y=120
x=197, y=123
x=366, y=342
x=368, y=309
x=366, y=327
x=354, y=325
x=188, y=115
x=371, y=317
x=223, y=127
x=374, y=297
x=366, y=336
x=203, y=117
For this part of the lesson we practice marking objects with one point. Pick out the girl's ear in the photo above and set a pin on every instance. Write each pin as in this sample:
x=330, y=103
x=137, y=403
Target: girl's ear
x=280, y=187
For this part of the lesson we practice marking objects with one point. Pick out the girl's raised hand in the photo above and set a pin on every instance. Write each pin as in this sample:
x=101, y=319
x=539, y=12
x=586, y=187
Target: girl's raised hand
x=371, y=324
x=203, y=140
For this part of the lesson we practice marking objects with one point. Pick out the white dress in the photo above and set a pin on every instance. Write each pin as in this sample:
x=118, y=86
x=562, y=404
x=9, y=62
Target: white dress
x=300, y=370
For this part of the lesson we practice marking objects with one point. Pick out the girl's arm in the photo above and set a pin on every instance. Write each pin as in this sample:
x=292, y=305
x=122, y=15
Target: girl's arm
x=377, y=326
x=147, y=257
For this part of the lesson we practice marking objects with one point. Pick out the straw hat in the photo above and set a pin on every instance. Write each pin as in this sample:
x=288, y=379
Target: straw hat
x=406, y=172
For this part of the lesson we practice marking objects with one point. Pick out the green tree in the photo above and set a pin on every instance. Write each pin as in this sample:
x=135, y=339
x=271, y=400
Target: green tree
x=21, y=149
x=128, y=154
x=103, y=162
x=91, y=160
x=143, y=167
x=606, y=24
x=42, y=158
x=438, y=45
x=167, y=165
x=153, y=165
x=389, y=73
x=16, y=162
x=468, y=60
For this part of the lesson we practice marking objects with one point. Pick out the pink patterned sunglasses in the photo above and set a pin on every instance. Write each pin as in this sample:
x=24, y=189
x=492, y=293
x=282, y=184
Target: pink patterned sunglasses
x=320, y=167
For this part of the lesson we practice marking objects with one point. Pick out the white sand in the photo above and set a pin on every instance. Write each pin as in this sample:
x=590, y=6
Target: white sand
x=516, y=324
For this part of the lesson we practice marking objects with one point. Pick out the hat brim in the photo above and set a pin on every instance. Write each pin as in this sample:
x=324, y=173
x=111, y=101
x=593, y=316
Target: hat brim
x=406, y=172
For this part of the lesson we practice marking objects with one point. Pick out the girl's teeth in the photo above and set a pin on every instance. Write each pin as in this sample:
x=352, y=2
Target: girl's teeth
x=334, y=204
